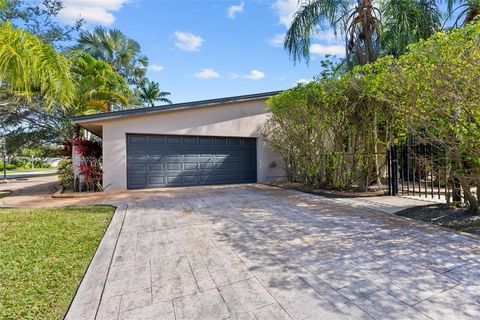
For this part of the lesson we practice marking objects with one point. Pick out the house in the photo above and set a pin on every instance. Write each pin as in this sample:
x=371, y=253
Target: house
x=215, y=141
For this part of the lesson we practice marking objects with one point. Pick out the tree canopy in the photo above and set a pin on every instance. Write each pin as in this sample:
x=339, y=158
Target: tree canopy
x=28, y=67
x=121, y=52
x=370, y=28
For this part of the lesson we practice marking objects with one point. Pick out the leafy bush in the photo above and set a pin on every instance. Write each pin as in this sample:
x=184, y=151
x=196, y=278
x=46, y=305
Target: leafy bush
x=326, y=133
x=434, y=89
x=90, y=166
x=65, y=173
x=22, y=164
x=8, y=166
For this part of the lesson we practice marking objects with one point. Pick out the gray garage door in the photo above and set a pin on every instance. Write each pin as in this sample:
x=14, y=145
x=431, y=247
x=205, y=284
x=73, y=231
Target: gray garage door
x=159, y=161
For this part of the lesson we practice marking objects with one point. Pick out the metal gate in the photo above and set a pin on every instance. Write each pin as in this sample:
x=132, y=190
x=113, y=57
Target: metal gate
x=418, y=170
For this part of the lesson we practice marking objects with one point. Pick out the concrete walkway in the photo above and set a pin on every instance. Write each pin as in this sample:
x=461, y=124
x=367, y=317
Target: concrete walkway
x=257, y=252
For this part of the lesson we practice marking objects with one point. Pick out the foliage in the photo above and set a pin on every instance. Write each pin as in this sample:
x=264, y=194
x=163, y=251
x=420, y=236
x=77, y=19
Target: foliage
x=90, y=166
x=323, y=131
x=149, y=92
x=65, y=173
x=28, y=125
x=39, y=18
x=21, y=164
x=361, y=22
x=30, y=67
x=8, y=166
x=406, y=22
x=43, y=256
x=122, y=53
x=326, y=130
x=88, y=148
x=99, y=88
x=434, y=90
x=43, y=151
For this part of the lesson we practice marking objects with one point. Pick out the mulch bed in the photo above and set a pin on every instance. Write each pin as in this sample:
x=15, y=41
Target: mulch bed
x=461, y=219
x=329, y=193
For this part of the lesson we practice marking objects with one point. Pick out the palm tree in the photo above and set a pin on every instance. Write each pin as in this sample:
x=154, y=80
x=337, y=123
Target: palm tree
x=407, y=21
x=98, y=87
x=29, y=67
x=121, y=52
x=149, y=92
x=360, y=22
x=468, y=10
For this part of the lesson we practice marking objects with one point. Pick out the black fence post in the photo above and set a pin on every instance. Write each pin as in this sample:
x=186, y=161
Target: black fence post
x=456, y=191
x=395, y=170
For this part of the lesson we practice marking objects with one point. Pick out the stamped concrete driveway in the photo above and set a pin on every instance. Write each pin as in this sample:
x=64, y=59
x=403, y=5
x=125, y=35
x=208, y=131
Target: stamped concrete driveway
x=257, y=252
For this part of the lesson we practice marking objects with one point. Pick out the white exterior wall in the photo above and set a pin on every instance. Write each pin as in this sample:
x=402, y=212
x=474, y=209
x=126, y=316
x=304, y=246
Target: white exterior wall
x=242, y=119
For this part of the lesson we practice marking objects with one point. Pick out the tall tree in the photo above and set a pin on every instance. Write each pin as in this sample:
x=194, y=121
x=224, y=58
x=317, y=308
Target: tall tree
x=149, y=92
x=122, y=53
x=98, y=87
x=360, y=22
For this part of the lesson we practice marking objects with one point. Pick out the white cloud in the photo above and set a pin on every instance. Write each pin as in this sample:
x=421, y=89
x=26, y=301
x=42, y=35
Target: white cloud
x=233, y=10
x=255, y=75
x=277, y=40
x=92, y=11
x=206, y=74
x=187, y=41
x=252, y=75
x=155, y=67
x=286, y=10
x=334, y=49
x=325, y=35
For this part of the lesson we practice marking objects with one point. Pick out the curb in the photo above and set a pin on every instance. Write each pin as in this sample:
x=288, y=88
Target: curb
x=60, y=195
x=88, y=296
x=329, y=194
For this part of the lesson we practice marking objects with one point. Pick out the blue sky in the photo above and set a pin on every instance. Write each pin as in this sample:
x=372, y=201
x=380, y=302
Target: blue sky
x=209, y=49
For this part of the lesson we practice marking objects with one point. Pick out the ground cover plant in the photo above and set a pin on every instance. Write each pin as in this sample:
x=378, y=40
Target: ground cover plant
x=43, y=256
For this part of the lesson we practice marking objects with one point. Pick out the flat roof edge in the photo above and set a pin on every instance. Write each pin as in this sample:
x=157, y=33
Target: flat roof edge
x=172, y=107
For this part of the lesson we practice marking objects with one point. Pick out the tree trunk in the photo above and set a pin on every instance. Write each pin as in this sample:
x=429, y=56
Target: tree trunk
x=472, y=201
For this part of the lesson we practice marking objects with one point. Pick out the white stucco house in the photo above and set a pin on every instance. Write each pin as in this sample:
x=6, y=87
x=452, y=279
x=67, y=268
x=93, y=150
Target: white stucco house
x=216, y=141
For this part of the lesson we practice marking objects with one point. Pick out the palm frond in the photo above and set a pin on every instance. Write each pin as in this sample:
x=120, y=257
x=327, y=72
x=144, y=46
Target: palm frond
x=28, y=66
x=307, y=18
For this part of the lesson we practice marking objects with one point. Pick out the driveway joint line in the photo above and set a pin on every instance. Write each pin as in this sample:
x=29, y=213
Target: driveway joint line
x=110, y=264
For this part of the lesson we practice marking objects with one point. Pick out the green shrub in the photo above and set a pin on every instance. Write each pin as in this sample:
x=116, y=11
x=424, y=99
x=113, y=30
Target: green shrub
x=8, y=166
x=41, y=164
x=326, y=133
x=65, y=173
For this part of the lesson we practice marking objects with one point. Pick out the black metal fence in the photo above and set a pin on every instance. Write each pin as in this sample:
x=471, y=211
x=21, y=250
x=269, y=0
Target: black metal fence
x=417, y=170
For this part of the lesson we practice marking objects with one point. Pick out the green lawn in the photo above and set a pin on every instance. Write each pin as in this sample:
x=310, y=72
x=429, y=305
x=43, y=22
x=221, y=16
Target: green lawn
x=20, y=170
x=43, y=256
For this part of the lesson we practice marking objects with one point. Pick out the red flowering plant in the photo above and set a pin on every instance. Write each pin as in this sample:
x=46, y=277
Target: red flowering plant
x=90, y=161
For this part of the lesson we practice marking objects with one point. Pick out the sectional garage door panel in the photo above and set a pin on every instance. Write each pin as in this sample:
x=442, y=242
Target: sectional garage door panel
x=159, y=161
